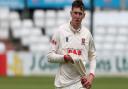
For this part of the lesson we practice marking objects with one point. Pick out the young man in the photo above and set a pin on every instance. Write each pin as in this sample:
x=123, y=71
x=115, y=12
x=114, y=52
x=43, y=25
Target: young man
x=70, y=42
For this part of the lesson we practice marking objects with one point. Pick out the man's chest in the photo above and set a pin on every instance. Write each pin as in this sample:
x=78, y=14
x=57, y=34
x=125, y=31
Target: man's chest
x=75, y=41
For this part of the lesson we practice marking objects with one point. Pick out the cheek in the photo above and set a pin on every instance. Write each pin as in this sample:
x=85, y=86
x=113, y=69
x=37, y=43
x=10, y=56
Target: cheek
x=81, y=18
x=73, y=16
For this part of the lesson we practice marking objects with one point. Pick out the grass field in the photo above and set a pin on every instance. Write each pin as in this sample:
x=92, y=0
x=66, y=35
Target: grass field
x=47, y=83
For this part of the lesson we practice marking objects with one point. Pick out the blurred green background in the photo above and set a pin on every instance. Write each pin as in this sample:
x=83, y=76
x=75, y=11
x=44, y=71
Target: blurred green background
x=47, y=82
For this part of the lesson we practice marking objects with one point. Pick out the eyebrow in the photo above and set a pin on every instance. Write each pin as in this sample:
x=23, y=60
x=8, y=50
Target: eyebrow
x=77, y=12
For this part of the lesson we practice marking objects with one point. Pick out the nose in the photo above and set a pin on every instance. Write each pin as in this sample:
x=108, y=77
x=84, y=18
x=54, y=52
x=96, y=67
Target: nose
x=77, y=15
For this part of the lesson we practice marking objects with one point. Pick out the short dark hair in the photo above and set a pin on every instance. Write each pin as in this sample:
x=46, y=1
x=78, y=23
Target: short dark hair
x=78, y=3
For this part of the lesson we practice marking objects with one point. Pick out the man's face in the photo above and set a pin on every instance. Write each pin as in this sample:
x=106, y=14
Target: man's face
x=77, y=15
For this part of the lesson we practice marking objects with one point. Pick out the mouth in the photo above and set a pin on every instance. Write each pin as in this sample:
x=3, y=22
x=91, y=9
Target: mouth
x=77, y=21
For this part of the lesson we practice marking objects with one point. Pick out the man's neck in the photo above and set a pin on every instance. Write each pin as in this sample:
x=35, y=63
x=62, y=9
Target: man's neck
x=75, y=28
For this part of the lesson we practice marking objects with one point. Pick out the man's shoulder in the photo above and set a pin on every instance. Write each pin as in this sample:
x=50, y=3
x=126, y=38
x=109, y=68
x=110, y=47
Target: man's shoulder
x=85, y=29
x=61, y=28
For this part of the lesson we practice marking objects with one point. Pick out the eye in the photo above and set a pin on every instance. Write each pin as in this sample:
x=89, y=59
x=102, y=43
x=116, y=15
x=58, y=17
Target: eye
x=78, y=13
x=75, y=12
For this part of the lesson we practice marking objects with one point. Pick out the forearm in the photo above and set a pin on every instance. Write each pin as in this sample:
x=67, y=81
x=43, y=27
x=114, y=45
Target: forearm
x=88, y=80
x=92, y=64
x=55, y=58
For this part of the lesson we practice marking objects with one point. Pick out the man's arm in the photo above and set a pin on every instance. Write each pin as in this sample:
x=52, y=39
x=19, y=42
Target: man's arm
x=92, y=56
x=55, y=58
x=87, y=81
x=53, y=55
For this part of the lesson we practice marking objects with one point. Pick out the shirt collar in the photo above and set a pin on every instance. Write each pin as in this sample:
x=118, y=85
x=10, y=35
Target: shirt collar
x=74, y=30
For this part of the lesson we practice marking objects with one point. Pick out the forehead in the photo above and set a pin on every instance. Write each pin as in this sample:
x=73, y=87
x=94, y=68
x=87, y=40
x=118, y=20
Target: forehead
x=77, y=9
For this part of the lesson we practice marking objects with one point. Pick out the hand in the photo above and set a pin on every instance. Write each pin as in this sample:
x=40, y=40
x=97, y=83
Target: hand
x=87, y=82
x=68, y=58
x=75, y=57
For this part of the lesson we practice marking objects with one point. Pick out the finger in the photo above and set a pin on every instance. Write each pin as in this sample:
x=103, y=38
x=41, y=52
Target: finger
x=86, y=84
x=83, y=80
x=88, y=87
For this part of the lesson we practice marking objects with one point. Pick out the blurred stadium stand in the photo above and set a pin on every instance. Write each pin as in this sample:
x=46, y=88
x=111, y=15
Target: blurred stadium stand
x=111, y=34
x=29, y=24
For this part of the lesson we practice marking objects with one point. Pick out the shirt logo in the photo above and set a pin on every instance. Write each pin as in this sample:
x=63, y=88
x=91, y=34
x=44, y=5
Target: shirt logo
x=75, y=51
x=83, y=41
x=66, y=39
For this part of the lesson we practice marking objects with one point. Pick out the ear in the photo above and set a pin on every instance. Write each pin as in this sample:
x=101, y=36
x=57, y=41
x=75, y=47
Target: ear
x=70, y=12
x=84, y=14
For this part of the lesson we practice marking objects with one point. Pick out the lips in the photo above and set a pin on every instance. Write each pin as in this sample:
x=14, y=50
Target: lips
x=77, y=21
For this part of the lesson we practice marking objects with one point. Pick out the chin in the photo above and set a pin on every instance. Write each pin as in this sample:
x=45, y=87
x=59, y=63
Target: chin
x=77, y=23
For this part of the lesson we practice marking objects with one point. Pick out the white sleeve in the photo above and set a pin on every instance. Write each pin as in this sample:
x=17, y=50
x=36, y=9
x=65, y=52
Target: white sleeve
x=92, y=50
x=53, y=56
x=92, y=64
x=92, y=55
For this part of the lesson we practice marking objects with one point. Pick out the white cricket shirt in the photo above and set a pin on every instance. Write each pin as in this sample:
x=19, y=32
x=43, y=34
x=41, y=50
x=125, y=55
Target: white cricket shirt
x=66, y=40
